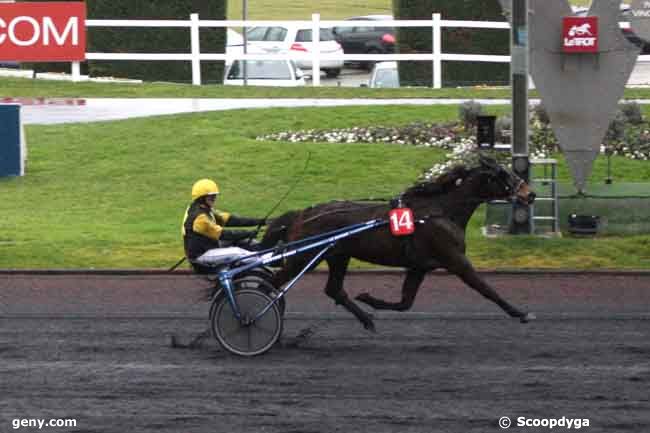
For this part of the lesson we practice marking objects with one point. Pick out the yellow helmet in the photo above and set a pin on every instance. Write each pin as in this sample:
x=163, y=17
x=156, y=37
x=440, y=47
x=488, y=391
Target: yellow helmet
x=204, y=187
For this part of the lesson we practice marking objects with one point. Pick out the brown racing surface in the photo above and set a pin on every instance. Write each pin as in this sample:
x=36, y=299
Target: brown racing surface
x=95, y=348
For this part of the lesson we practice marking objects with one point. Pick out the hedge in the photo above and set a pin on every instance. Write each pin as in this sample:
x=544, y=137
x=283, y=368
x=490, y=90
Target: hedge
x=150, y=40
x=454, y=41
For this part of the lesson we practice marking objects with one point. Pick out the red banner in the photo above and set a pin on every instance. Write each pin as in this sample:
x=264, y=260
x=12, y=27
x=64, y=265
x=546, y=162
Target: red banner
x=47, y=32
x=580, y=35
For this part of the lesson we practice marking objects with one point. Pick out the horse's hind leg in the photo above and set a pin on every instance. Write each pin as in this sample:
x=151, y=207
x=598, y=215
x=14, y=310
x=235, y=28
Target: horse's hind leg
x=338, y=265
x=410, y=288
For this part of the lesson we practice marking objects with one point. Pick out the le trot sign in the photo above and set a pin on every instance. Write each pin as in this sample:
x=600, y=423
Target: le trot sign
x=40, y=31
x=580, y=35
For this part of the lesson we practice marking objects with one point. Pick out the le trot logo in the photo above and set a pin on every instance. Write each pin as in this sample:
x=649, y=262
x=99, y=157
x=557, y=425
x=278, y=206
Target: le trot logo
x=41, y=31
x=580, y=35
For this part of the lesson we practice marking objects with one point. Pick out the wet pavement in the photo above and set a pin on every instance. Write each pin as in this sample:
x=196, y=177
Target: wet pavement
x=95, y=348
x=54, y=111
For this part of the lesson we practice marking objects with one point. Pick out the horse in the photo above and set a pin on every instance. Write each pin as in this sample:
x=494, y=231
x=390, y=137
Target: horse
x=441, y=207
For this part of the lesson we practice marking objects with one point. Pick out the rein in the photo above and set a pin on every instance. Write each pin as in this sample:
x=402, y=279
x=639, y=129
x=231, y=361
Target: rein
x=337, y=211
x=286, y=194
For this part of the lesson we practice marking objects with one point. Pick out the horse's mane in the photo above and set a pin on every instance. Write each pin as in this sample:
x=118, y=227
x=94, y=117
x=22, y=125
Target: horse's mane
x=439, y=185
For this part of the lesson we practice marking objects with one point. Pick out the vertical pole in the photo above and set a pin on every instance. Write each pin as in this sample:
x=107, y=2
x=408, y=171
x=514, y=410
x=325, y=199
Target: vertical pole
x=315, y=48
x=244, y=13
x=556, y=203
x=76, y=72
x=519, y=75
x=196, y=50
x=437, y=51
x=519, y=81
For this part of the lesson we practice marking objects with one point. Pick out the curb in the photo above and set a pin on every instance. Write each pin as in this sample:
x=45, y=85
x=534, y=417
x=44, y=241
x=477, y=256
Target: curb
x=162, y=272
x=44, y=101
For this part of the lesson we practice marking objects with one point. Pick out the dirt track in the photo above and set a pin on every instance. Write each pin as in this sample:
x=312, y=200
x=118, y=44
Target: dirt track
x=98, y=352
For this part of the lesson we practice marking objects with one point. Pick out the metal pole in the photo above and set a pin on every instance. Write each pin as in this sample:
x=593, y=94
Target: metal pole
x=519, y=81
x=519, y=75
x=245, y=17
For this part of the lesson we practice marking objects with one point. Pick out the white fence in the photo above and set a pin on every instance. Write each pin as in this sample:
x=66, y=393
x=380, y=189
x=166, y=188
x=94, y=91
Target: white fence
x=196, y=56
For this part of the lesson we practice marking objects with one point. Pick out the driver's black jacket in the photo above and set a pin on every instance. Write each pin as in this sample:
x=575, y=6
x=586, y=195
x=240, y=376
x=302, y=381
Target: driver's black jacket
x=203, y=228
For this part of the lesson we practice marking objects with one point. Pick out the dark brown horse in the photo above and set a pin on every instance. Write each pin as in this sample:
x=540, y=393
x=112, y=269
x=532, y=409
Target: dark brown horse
x=441, y=208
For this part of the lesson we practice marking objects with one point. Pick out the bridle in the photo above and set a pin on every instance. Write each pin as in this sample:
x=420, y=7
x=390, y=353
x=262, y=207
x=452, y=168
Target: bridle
x=512, y=184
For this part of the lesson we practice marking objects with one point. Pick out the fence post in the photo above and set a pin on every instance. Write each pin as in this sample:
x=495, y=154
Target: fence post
x=315, y=48
x=437, y=51
x=76, y=72
x=196, y=49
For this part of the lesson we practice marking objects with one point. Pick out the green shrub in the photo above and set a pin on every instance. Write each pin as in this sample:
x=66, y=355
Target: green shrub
x=468, y=113
x=454, y=40
x=150, y=40
x=632, y=112
x=539, y=113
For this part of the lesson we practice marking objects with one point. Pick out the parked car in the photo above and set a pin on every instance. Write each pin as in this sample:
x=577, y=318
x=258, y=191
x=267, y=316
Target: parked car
x=279, y=73
x=234, y=43
x=293, y=38
x=627, y=32
x=9, y=65
x=367, y=39
x=384, y=75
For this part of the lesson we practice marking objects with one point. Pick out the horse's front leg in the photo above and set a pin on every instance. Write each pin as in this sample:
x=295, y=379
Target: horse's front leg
x=410, y=288
x=461, y=266
x=338, y=266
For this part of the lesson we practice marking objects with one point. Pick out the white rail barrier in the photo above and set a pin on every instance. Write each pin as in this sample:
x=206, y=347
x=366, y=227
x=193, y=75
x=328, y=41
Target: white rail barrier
x=196, y=56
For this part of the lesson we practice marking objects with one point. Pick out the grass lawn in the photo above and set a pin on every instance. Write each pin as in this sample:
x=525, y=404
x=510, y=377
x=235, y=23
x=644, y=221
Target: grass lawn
x=24, y=87
x=112, y=194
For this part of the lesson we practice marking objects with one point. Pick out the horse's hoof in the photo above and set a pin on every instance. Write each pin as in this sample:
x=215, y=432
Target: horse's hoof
x=527, y=317
x=174, y=343
x=370, y=326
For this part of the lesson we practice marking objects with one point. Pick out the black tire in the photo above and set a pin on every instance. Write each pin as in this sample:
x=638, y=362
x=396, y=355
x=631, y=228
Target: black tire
x=246, y=339
x=332, y=73
x=265, y=285
x=253, y=282
x=370, y=63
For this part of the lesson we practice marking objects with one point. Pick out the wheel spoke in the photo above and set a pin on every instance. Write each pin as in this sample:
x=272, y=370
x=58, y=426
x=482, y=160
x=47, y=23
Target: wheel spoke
x=264, y=330
x=232, y=332
x=252, y=338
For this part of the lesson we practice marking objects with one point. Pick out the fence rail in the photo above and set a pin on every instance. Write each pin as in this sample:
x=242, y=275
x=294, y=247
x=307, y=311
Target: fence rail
x=196, y=56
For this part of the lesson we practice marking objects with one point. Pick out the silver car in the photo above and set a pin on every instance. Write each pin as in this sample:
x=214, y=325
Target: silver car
x=384, y=75
x=276, y=73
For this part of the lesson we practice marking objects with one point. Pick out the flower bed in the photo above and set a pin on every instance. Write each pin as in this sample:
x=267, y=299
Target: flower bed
x=628, y=136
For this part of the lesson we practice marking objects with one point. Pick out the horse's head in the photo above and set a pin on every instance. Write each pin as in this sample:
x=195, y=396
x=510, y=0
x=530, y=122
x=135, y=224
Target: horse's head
x=500, y=183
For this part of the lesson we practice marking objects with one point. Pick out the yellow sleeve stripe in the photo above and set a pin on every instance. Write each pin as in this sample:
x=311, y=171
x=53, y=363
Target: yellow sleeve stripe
x=206, y=227
x=223, y=216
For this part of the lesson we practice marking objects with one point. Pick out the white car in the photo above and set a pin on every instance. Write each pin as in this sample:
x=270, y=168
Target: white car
x=234, y=43
x=291, y=38
x=384, y=75
x=278, y=73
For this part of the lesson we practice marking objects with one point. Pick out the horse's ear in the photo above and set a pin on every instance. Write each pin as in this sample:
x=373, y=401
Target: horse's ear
x=487, y=161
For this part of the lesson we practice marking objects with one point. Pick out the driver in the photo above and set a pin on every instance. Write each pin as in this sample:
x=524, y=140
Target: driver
x=204, y=227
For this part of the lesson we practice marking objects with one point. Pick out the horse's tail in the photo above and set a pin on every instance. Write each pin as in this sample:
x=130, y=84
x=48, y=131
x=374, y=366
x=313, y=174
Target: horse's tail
x=277, y=231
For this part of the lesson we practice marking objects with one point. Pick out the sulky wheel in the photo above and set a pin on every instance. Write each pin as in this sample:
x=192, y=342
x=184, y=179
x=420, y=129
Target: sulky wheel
x=263, y=284
x=247, y=337
x=252, y=281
